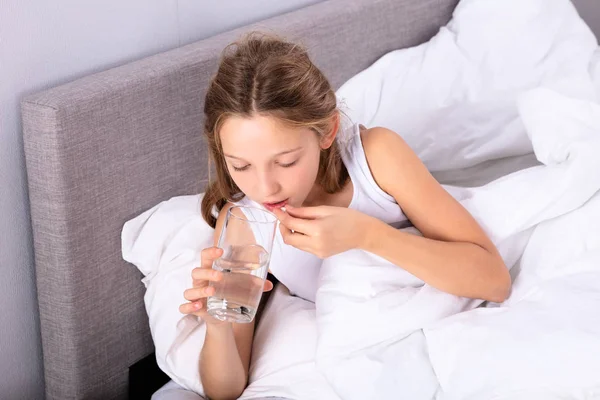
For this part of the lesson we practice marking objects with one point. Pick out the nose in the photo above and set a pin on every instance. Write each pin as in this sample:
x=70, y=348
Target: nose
x=268, y=184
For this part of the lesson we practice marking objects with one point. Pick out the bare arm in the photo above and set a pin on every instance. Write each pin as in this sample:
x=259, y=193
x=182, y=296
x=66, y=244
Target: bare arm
x=225, y=359
x=455, y=255
x=225, y=356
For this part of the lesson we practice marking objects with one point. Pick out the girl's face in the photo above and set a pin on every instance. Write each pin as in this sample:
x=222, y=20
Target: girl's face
x=272, y=164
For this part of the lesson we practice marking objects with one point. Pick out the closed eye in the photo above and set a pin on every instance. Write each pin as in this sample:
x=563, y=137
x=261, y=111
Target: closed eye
x=240, y=169
x=289, y=165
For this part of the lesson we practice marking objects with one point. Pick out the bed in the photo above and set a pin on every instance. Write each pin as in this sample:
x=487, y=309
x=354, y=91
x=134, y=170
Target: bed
x=105, y=148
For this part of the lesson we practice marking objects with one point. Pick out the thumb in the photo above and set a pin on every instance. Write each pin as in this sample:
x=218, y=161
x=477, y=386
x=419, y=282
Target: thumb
x=268, y=286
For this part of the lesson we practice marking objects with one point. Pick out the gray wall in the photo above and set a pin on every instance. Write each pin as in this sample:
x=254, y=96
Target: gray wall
x=45, y=43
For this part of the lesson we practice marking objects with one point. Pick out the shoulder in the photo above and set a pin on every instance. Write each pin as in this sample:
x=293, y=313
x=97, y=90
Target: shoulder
x=383, y=148
x=390, y=158
x=223, y=213
x=378, y=140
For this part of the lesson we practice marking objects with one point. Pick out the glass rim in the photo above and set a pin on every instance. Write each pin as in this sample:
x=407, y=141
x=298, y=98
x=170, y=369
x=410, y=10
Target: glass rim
x=247, y=219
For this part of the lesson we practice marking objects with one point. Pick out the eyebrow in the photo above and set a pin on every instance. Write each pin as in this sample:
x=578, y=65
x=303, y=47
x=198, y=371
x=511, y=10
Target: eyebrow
x=278, y=154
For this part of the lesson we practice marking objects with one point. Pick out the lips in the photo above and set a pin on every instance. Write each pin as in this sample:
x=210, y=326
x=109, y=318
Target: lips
x=278, y=204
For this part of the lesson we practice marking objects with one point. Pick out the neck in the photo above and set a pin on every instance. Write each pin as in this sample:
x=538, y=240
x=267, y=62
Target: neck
x=319, y=197
x=316, y=197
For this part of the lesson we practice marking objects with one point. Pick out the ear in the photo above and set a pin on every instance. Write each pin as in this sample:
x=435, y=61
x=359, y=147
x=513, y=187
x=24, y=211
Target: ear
x=327, y=140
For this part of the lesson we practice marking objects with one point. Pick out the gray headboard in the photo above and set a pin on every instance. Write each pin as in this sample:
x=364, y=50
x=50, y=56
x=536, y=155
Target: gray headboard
x=104, y=148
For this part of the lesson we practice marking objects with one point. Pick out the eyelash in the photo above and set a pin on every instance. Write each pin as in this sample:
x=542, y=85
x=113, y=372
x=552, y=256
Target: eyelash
x=248, y=166
x=288, y=165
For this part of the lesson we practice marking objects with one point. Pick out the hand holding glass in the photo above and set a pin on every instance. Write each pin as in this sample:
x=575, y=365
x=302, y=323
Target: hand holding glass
x=247, y=241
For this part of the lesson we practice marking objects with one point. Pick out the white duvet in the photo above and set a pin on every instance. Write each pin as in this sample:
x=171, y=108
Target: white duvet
x=404, y=338
x=504, y=78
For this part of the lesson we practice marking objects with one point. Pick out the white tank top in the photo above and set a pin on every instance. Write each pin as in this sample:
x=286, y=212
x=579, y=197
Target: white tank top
x=299, y=270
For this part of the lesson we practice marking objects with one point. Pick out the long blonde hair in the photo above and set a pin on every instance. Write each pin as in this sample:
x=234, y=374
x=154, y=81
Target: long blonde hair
x=263, y=74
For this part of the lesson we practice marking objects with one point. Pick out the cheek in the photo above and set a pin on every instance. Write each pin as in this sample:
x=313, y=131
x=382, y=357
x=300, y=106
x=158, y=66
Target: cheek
x=306, y=174
x=242, y=180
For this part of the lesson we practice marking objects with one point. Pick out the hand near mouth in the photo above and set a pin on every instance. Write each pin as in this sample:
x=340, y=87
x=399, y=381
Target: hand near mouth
x=323, y=230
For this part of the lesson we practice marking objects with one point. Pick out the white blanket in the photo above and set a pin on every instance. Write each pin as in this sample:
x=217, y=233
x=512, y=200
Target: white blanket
x=544, y=342
x=385, y=308
x=474, y=107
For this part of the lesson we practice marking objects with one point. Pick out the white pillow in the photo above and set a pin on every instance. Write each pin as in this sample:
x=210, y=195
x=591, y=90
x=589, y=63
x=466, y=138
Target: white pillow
x=164, y=243
x=595, y=71
x=283, y=353
x=453, y=99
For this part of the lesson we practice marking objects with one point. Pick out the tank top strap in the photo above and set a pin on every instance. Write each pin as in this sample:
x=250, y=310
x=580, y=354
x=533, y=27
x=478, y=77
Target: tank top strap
x=355, y=160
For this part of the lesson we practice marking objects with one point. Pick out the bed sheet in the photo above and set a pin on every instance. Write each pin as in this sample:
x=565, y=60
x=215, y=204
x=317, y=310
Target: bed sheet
x=485, y=172
x=173, y=391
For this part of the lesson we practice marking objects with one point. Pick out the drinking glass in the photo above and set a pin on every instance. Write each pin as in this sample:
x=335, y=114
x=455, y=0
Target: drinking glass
x=247, y=241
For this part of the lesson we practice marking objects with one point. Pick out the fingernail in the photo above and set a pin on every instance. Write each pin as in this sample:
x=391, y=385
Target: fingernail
x=197, y=306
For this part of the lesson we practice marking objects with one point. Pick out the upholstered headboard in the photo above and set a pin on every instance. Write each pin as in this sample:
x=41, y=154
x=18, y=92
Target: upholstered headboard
x=104, y=148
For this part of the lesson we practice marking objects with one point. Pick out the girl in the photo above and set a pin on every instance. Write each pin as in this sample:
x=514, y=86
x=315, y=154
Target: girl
x=278, y=140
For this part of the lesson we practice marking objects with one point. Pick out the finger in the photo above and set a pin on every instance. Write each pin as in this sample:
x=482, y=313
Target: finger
x=199, y=282
x=304, y=226
x=209, y=255
x=308, y=212
x=194, y=294
x=295, y=239
x=190, y=308
x=212, y=252
x=204, y=274
x=268, y=286
x=284, y=231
